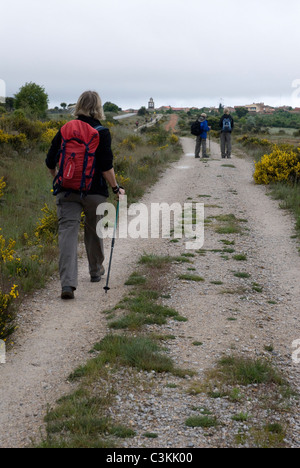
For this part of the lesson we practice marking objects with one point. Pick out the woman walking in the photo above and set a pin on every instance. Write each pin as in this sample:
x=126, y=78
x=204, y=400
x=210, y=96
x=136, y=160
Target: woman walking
x=71, y=202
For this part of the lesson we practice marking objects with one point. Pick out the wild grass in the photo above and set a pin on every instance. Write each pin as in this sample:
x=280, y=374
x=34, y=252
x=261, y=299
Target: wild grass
x=235, y=370
x=28, y=188
x=256, y=381
x=270, y=435
x=82, y=419
x=257, y=287
x=239, y=257
x=135, y=279
x=142, y=310
x=227, y=224
x=241, y=274
x=187, y=277
x=79, y=420
x=139, y=159
x=150, y=435
x=240, y=417
x=160, y=262
x=139, y=352
x=141, y=307
x=290, y=200
x=201, y=421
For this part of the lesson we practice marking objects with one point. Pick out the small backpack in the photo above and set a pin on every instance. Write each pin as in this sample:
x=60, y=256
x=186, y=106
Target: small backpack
x=227, y=124
x=196, y=128
x=77, y=157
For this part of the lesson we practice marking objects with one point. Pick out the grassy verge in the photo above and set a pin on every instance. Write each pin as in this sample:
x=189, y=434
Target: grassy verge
x=83, y=419
x=290, y=200
x=259, y=398
x=288, y=192
x=28, y=247
x=140, y=158
x=142, y=307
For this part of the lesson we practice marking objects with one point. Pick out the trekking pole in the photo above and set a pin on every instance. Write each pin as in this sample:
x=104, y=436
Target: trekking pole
x=106, y=288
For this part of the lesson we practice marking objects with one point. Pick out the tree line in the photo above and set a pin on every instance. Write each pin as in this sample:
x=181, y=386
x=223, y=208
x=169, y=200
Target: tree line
x=33, y=101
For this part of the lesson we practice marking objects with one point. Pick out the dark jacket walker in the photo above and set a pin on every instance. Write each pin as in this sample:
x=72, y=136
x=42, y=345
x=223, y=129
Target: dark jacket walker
x=226, y=126
x=201, y=139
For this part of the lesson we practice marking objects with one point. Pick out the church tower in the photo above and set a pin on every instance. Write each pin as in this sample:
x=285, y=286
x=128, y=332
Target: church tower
x=151, y=104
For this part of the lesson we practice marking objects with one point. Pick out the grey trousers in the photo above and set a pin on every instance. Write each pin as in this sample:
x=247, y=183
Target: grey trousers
x=200, y=142
x=69, y=210
x=226, y=144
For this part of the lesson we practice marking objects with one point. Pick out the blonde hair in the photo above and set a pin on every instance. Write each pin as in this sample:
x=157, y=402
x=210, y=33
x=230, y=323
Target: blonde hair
x=90, y=105
x=226, y=111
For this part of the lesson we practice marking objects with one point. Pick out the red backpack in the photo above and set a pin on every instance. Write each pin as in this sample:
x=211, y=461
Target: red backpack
x=77, y=157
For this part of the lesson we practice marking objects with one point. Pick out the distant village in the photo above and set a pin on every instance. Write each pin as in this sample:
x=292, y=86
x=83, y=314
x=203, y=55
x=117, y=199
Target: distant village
x=255, y=108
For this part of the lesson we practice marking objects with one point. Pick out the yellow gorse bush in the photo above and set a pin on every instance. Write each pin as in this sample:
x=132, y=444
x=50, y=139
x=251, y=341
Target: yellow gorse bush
x=48, y=135
x=174, y=139
x=6, y=327
x=128, y=144
x=278, y=166
x=47, y=227
x=7, y=252
x=2, y=186
x=253, y=141
x=122, y=180
x=7, y=255
x=17, y=141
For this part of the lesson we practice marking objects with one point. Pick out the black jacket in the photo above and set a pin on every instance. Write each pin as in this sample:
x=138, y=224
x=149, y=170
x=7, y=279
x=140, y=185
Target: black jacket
x=226, y=116
x=104, y=156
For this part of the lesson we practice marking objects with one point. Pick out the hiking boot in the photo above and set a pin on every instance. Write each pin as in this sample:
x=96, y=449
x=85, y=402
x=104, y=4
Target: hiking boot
x=97, y=279
x=67, y=292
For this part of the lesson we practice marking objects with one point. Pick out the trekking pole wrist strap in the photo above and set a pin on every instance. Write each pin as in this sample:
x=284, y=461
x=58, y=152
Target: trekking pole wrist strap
x=116, y=189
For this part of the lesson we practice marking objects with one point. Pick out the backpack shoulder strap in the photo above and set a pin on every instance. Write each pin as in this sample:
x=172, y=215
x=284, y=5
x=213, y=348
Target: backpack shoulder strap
x=99, y=128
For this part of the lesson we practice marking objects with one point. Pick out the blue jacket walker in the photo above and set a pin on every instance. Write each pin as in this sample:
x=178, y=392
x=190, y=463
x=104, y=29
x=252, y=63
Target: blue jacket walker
x=205, y=128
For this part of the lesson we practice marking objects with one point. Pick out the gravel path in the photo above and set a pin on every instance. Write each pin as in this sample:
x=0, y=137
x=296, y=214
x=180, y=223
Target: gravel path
x=55, y=337
x=225, y=318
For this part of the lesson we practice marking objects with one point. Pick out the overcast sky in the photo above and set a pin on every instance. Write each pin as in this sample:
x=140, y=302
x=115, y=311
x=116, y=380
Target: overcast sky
x=180, y=52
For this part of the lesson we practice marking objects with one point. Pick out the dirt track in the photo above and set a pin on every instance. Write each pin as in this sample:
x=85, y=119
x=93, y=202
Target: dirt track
x=55, y=337
x=172, y=122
